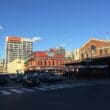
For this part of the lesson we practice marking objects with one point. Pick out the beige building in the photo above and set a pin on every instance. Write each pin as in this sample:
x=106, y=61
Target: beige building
x=73, y=54
x=95, y=48
x=2, y=66
x=76, y=54
x=69, y=54
x=16, y=66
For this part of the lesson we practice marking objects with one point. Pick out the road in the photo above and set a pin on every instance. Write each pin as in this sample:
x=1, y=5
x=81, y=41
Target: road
x=61, y=97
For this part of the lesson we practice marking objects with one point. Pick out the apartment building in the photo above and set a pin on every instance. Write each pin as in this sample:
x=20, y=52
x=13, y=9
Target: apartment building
x=17, y=48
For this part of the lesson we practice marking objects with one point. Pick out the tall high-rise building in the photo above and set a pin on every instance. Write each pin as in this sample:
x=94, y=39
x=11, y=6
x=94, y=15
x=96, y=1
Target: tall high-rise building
x=18, y=48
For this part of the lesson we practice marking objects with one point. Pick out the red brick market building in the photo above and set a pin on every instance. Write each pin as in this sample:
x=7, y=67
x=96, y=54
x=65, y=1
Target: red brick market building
x=46, y=61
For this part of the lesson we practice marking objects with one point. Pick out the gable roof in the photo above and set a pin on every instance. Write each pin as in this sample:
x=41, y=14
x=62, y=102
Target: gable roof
x=94, y=39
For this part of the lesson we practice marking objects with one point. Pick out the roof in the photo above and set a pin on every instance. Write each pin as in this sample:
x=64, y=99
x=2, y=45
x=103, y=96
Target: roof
x=40, y=54
x=94, y=39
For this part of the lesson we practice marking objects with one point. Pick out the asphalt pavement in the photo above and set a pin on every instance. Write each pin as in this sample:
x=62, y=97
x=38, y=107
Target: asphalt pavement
x=93, y=97
x=84, y=95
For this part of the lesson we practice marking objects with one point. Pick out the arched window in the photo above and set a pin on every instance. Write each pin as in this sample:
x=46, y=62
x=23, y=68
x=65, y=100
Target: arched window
x=53, y=63
x=45, y=63
x=40, y=63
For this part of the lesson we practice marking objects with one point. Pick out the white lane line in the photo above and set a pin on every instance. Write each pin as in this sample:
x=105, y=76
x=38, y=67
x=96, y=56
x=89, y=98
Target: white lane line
x=16, y=91
x=67, y=85
x=62, y=86
x=5, y=92
x=49, y=87
x=27, y=90
x=54, y=87
x=41, y=88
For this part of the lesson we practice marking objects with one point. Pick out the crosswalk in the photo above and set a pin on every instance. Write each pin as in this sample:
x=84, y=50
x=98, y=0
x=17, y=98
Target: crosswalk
x=22, y=90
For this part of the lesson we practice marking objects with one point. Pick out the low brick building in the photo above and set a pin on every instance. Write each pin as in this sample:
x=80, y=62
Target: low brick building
x=46, y=61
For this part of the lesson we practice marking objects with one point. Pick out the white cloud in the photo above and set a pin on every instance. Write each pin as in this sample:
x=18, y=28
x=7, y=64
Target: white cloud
x=36, y=39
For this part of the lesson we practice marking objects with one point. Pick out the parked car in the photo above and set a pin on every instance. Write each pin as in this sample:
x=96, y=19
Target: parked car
x=13, y=77
x=31, y=80
x=20, y=78
x=54, y=77
x=44, y=77
x=49, y=77
x=4, y=79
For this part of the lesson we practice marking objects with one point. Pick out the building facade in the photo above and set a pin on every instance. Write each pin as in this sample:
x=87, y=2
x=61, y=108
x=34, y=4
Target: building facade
x=73, y=54
x=16, y=66
x=95, y=48
x=76, y=54
x=18, y=48
x=69, y=54
x=93, y=62
x=50, y=60
x=2, y=63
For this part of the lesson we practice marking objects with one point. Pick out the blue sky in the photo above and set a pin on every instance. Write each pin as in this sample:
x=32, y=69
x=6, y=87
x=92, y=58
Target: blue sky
x=57, y=22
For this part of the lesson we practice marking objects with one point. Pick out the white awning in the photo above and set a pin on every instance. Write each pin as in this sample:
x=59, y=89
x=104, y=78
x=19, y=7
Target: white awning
x=90, y=66
x=98, y=66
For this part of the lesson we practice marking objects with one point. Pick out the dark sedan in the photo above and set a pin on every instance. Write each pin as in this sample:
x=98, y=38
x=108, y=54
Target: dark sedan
x=31, y=80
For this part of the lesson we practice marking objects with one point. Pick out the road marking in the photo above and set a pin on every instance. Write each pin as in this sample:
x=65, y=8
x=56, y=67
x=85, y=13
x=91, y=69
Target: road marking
x=40, y=88
x=27, y=90
x=49, y=87
x=16, y=91
x=61, y=86
x=53, y=87
x=5, y=92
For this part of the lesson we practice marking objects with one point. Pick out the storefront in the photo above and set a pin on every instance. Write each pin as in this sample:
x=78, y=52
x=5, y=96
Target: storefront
x=94, y=68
